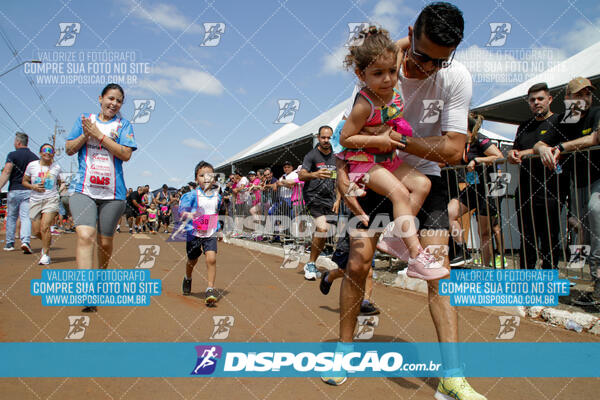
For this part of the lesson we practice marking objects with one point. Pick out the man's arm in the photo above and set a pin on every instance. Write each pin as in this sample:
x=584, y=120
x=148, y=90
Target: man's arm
x=447, y=148
x=5, y=174
x=550, y=155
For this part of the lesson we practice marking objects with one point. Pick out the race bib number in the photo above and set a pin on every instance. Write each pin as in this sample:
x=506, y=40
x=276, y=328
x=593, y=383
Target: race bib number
x=164, y=209
x=205, y=222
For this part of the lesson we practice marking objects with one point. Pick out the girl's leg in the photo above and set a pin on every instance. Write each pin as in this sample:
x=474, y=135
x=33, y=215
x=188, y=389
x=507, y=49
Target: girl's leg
x=46, y=220
x=417, y=184
x=386, y=184
x=485, y=238
x=456, y=210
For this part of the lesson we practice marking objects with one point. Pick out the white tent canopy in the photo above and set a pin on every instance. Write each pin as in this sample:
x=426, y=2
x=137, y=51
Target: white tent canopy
x=287, y=137
x=511, y=106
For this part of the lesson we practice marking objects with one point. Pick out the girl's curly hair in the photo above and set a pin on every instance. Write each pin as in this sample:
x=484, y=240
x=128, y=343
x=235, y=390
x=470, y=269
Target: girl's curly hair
x=374, y=42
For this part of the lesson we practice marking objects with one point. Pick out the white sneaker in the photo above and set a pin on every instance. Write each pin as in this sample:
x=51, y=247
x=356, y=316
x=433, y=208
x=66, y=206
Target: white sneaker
x=310, y=271
x=44, y=260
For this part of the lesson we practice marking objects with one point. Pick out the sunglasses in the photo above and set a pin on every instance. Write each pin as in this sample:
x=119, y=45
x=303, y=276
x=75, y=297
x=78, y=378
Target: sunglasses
x=422, y=58
x=47, y=150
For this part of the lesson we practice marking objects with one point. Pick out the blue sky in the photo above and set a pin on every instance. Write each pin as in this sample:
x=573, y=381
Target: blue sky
x=213, y=101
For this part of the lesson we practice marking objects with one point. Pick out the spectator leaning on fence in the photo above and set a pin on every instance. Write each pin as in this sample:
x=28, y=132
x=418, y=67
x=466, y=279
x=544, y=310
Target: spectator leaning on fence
x=538, y=198
x=585, y=166
x=479, y=151
x=18, y=195
x=320, y=194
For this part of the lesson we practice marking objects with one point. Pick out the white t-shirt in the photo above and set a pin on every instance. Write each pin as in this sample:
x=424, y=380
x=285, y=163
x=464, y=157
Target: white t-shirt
x=454, y=87
x=286, y=192
x=47, y=175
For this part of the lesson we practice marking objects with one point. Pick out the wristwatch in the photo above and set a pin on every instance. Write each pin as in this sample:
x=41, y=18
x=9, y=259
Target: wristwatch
x=403, y=140
x=560, y=147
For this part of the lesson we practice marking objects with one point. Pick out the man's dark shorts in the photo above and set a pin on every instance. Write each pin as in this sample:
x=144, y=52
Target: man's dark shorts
x=131, y=212
x=433, y=214
x=317, y=210
x=194, y=246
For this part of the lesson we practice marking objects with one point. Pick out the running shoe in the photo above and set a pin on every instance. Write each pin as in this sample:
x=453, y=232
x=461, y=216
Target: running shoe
x=9, y=247
x=44, y=260
x=393, y=246
x=186, y=286
x=334, y=380
x=130, y=230
x=119, y=228
x=26, y=248
x=54, y=231
x=499, y=261
x=456, y=389
x=310, y=271
x=426, y=267
x=325, y=286
x=463, y=256
x=211, y=297
x=368, y=308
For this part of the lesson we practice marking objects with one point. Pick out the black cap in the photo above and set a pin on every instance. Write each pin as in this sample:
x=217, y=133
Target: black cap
x=287, y=163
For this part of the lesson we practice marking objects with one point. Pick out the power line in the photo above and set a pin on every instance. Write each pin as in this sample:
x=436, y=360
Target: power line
x=11, y=117
x=31, y=82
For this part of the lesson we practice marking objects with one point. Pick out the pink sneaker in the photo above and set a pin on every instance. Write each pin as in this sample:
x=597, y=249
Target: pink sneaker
x=426, y=267
x=394, y=246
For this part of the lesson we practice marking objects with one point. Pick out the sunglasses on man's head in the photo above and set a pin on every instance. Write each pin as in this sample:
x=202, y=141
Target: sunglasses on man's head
x=424, y=58
x=48, y=150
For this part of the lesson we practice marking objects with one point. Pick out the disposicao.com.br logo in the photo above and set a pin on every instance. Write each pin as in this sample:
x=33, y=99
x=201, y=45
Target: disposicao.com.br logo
x=217, y=361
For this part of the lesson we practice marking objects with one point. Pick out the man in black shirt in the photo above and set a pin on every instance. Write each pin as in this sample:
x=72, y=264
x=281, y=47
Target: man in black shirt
x=320, y=194
x=585, y=167
x=18, y=195
x=540, y=191
x=134, y=201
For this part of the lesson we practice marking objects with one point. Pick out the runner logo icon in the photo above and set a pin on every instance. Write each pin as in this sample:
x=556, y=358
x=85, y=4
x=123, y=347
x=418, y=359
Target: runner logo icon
x=143, y=109
x=212, y=33
x=498, y=33
x=223, y=323
x=287, y=111
x=68, y=33
x=77, y=325
x=207, y=359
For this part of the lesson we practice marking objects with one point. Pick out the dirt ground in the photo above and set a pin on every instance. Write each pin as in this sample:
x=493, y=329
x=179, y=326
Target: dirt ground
x=269, y=304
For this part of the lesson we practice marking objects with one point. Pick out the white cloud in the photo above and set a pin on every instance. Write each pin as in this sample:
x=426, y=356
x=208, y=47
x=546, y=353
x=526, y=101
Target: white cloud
x=387, y=13
x=165, y=15
x=334, y=63
x=169, y=79
x=195, y=143
x=175, y=180
x=146, y=173
x=584, y=34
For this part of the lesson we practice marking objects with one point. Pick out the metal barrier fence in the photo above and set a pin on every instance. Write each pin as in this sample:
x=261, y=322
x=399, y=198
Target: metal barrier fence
x=524, y=216
x=503, y=215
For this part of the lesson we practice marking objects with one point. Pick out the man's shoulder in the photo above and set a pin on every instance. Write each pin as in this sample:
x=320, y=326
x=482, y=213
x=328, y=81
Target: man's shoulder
x=455, y=72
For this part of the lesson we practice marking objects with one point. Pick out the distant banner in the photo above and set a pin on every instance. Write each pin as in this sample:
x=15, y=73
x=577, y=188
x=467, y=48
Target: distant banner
x=297, y=359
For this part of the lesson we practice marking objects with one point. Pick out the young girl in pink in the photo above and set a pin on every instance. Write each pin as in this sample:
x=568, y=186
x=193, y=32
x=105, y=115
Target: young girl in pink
x=372, y=159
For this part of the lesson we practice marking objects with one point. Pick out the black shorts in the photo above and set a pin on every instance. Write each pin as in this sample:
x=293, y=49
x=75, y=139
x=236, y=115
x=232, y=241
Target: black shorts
x=194, y=246
x=433, y=214
x=473, y=197
x=131, y=212
x=164, y=219
x=317, y=210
